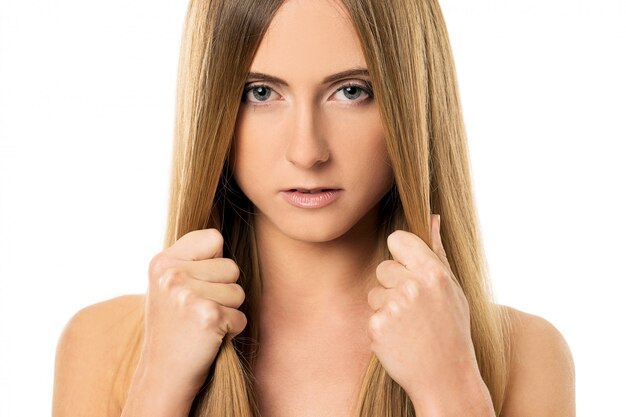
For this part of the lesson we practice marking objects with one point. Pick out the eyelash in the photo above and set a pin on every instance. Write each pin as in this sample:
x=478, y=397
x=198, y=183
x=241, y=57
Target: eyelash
x=368, y=90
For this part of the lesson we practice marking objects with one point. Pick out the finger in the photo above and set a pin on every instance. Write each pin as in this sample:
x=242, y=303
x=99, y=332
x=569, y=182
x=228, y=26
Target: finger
x=214, y=270
x=228, y=295
x=377, y=297
x=389, y=273
x=234, y=321
x=198, y=245
x=408, y=249
x=437, y=242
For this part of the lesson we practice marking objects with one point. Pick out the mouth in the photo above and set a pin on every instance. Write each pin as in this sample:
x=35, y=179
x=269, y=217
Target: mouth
x=315, y=189
x=311, y=191
x=311, y=198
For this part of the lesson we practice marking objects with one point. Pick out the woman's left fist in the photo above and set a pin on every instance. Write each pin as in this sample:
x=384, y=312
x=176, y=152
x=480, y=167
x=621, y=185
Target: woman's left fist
x=420, y=330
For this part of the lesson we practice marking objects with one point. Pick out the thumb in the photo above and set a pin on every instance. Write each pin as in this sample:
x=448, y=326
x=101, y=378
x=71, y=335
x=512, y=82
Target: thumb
x=437, y=241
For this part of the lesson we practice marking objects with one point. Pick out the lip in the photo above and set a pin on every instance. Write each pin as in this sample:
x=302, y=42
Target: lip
x=312, y=187
x=305, y=200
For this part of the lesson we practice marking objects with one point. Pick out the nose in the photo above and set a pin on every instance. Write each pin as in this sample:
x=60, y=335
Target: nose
x=306, y=147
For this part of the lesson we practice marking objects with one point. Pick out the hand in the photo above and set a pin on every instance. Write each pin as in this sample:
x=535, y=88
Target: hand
x=190, y=307
x=420, y=330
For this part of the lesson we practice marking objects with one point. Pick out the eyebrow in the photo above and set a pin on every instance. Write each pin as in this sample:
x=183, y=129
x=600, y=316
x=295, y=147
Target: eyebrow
x=259, y=76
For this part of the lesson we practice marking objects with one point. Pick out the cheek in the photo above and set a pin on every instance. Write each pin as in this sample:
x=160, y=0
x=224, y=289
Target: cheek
x=360, y=129
x=381, y=178
x=377, y=149
x=252, y=154
x=365, y=150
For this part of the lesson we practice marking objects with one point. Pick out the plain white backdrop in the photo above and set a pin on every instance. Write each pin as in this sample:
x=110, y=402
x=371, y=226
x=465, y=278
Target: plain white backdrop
x=86, y=119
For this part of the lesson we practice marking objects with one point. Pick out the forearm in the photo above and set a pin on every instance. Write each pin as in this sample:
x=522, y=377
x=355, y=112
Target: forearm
x=150, y=397
x=141, y=404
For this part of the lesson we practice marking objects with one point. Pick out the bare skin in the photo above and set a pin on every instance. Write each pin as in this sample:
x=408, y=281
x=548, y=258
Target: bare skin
x=319, y=265
x=94, y=341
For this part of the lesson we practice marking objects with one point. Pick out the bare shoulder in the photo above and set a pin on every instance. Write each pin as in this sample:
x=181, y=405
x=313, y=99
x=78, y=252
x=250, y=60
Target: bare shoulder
x=91, y=352
x=542, y=377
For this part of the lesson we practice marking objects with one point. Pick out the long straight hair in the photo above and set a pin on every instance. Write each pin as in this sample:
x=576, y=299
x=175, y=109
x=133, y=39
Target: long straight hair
x=408, y=54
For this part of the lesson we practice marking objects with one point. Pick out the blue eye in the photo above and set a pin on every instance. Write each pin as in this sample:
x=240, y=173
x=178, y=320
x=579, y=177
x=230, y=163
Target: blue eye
x=352, y=91
x=261, y=92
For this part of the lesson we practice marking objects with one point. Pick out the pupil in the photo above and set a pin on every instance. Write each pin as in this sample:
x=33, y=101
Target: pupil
x=352, y=92
x=258, y=93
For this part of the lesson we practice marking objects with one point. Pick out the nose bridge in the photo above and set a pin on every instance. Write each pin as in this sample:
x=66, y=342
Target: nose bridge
x=306, y=145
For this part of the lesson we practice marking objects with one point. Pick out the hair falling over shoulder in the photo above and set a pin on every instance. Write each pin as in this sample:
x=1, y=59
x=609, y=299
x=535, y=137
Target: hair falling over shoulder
x=407, y=50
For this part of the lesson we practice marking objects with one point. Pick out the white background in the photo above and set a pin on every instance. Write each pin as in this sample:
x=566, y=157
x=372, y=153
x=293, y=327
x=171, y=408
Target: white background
x=86, y=119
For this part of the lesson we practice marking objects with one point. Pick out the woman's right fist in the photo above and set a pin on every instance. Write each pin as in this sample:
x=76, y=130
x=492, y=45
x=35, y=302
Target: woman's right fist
x=191, y=305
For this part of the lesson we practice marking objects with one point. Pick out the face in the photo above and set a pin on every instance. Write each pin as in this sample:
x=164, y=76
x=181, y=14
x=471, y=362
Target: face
x=308, y=131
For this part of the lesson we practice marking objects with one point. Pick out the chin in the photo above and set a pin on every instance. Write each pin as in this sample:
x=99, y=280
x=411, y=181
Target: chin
x=322, y=225
x=315, y=229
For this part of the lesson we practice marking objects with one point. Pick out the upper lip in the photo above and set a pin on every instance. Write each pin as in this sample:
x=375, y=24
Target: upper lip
x=311, y=188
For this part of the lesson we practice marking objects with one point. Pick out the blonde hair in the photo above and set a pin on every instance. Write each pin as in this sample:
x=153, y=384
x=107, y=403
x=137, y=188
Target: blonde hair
x=407, y=51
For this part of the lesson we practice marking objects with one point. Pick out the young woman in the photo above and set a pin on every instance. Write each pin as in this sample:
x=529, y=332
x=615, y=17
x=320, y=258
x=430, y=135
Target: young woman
x=322, y=255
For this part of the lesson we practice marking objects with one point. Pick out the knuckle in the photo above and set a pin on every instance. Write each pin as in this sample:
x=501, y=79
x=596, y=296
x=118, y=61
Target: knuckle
x=380, y=268
x=195, y=234
x=374, y=325
x=383, y=266
x=435, y=276
x=409, y=289
x=171, y=279
x=443, y=279
x=243, y=321
x=210, y=237
x=374, y=297
x=158, y=264
x=233, y=269
x=213, y=236
x=209, y=315
x=185, y=297
x=393, y=309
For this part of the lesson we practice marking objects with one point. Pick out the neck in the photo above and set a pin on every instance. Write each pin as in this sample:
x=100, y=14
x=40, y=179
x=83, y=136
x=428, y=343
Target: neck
x=305, y=281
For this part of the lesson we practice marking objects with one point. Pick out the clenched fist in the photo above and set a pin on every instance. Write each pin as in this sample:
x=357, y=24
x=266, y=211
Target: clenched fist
x=190, y=307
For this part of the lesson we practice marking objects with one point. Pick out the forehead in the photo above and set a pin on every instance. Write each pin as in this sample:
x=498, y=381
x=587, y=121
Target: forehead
x=307, y=40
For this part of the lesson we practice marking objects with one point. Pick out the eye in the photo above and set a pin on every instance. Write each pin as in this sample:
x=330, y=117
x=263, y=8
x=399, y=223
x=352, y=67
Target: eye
x=353, y=91
x=260, y=92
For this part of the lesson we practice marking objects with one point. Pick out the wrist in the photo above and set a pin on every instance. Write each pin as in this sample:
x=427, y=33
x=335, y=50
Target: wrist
x=143, y=401
x=468, y=398
x=149, y=394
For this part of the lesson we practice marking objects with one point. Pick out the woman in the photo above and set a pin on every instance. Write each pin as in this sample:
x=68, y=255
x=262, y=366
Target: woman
x=322, y=254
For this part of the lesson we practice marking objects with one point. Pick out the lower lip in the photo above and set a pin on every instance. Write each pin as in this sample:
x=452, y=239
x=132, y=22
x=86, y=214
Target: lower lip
x=304, y=200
